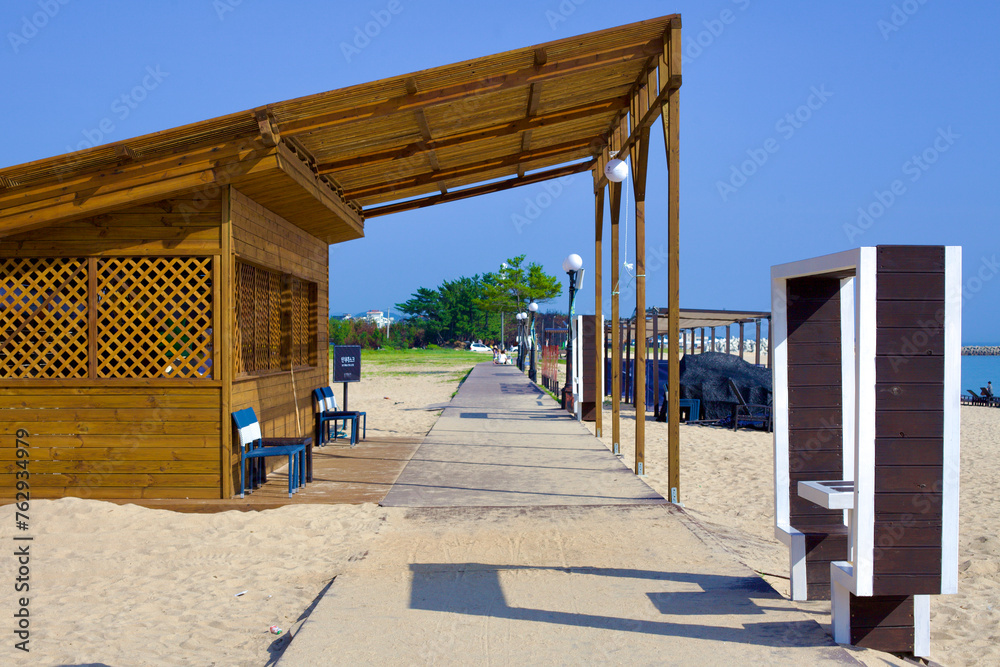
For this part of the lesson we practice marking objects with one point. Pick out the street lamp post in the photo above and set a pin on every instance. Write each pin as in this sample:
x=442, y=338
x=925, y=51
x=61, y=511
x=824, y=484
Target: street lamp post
x=522, y=332
x=532, y=373
x=571, y=265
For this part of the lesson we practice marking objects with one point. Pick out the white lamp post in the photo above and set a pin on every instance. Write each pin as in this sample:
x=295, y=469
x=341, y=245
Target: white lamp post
x=571, y=265
x=532, y=373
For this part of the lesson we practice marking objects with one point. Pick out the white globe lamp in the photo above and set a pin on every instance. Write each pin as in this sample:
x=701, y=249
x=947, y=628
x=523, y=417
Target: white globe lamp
x=572, y=263
x=616, y=170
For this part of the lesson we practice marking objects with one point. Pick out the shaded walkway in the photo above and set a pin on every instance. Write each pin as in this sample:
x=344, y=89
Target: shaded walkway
x=504, y=442
x=525, y=541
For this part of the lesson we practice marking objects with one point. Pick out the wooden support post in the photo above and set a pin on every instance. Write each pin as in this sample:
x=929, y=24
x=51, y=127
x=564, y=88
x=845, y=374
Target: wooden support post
x=225, y=350
x=616, y=333
x=598, y=304
x=629, y=369
x=756, y=346
x=729, y=337
x=713, y=339
x=640, y=155
x=656, y=363
x=670, y=70
x=703, y=340
x=741, y=340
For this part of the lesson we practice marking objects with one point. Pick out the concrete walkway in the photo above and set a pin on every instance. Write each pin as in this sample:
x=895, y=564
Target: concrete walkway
x=504, y=442
x=525, y=541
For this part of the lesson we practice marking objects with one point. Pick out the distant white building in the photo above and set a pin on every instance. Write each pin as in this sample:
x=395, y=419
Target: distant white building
x=378, y=318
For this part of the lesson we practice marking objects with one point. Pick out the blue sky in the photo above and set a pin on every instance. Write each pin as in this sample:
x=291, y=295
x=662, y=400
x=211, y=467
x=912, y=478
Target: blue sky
x=885, y=106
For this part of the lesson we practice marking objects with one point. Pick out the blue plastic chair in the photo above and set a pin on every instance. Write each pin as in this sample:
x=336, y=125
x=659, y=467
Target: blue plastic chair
x=255, y=448
x=362, y=416
x=327, y=415
x=694, y=408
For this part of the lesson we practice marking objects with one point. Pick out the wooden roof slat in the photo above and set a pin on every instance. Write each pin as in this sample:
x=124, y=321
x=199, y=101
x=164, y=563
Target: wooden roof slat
x=495, y=163
x=459, y=90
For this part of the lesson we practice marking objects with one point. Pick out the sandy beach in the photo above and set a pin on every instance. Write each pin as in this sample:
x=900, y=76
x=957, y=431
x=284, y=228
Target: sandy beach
x=126, y=585
x=727, y=485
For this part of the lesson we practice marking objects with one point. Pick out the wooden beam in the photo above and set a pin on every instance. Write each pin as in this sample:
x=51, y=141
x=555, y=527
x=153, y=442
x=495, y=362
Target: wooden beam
x=225, y=349
x=671, y=136
x=268, y=134
x=425, y=132
x=424, y=178
x=522, y=77
x=489, y=132
x=616, y=329
x=297, y=170
x=488, y=188
x=541, y=57
x=640, y=154
x=125, y=154
x=670, y=79
x=534, y=96
x=598, y=304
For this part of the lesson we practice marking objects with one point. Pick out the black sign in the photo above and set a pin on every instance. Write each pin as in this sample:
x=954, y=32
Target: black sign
x=347, y=363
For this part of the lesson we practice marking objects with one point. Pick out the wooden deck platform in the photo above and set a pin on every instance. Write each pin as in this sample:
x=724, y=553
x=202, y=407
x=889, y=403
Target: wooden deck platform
x=341, y=475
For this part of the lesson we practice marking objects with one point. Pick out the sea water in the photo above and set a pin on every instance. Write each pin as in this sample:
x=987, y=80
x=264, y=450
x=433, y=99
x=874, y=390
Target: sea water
x=977, y=371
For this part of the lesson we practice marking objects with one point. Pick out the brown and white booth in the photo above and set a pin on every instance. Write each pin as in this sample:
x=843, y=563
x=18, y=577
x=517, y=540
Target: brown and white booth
x=866, y=442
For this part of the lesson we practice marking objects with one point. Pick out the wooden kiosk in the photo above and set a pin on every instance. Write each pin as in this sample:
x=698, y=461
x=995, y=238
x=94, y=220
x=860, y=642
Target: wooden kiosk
x=866, y=401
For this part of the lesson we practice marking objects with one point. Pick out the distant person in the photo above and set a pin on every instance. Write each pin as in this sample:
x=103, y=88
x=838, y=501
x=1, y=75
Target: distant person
x=503, y=358
x=989, y=389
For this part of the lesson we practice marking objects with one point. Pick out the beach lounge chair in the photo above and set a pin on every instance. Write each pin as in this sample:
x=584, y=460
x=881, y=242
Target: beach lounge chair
x=750, y=414
x=254, y=446
x=327, y=416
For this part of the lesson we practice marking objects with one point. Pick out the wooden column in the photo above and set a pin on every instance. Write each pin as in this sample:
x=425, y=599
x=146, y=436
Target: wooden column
x=703, y=340
x=756, y=347
x=225, y=351
x=729, y=337
x=656, y=362
x=616, y=332
x=598, y=304
x=640, y=154
x=741, y=340
x=629, y=368
x=713, y=339
x=670, y=76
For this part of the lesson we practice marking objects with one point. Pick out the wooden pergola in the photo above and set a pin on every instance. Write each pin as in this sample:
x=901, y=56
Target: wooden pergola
x=242, y=207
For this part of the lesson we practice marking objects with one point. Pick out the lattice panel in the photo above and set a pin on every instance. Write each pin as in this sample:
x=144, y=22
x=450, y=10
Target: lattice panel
x=257, y=323
x=154, y=317
x=43, y=318
x=302, y=327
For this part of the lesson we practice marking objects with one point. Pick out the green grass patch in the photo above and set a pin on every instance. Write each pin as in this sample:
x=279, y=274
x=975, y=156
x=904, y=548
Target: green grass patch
x=461, y=380
x=439, y=356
